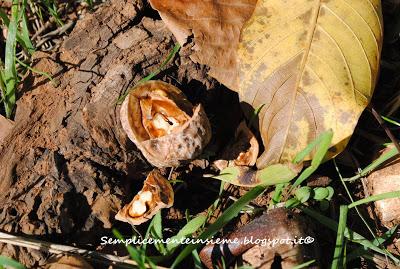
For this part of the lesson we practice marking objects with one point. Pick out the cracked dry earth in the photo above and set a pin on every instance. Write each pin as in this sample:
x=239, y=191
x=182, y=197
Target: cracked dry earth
x=67, y=167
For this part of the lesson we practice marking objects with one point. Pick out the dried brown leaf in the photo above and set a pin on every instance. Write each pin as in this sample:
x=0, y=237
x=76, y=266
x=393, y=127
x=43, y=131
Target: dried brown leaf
x=216, y=27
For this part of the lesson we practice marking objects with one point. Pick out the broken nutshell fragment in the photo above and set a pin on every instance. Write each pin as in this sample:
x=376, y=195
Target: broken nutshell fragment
x=164, y=125
x=242, y=152
x=156, y=194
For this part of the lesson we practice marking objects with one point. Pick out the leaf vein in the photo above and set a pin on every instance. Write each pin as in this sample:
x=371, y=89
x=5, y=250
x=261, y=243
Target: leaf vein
x=312, y=113
x=369, y=26
x=329, y=93
x=344, y=59
x=302, y=66
x=260, y=59
x=273, y=96
x=354, y=35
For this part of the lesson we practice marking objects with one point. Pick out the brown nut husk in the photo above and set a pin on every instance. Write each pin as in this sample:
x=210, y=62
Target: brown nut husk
x=242, y=152
x=164, y=125
x=157, y=193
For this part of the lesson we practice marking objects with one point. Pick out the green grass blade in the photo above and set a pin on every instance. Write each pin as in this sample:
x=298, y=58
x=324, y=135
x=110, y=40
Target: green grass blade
x=349, y=234
x=170, y=56
x=89, y=3
x=391, y=121
x=352, y=200
x=275, y=174
x=4, y=17
x=52, y=9
x=301, y=155
x=360, y=251
x=338, y=253
x=25, y=42
x=322, y=145
x=196, y=260
x=45, y=74
x=382, y=196
x=5, y=261
x=255, y=115
x=10, y=71
x=304, y=265
x=163, y=64
x=276, y=199
x=375, y=164
x=133, y=252
x=227, y=216
x=3, y=88
x=24, y=38
x=191, y=227
x=155, y=231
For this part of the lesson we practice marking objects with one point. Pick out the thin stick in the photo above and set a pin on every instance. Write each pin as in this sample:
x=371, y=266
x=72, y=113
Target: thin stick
x=62, y=249
x=387, y=130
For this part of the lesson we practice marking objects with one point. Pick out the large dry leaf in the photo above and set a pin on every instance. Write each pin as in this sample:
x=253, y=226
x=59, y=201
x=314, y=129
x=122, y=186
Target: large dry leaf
x=215, y=25
x=314, y=64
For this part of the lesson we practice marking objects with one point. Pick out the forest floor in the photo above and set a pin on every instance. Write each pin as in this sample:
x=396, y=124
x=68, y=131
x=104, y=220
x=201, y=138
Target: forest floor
x=67, y=167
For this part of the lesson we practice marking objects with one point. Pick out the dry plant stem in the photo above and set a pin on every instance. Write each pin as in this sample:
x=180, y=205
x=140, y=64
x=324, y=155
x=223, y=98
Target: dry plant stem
x=46, y=25
x=394, y=105
x=387, y=130
x=56, y=32
x=61, y=249
x=363, y=179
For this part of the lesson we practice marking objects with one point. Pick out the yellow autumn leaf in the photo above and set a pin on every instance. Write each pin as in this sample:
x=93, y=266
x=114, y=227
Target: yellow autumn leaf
x=314, y=64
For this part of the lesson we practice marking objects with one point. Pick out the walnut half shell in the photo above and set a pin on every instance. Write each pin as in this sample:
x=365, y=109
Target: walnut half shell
x=242, y=151
x=164, y=125
x=157, y=193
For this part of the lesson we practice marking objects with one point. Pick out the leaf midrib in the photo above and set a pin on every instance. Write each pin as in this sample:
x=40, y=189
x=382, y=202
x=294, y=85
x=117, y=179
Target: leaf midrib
x=310, y=37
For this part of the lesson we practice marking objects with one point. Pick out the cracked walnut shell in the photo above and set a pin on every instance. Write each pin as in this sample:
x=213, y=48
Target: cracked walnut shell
x=157, y=193
x=164, y=125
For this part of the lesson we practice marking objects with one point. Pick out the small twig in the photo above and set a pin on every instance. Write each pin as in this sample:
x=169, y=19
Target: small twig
x=60, y=30
x=359, y=170
x=170, y=173
x=59, y=249
x=65, y=250
x=235, y=199
x=387, y=130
